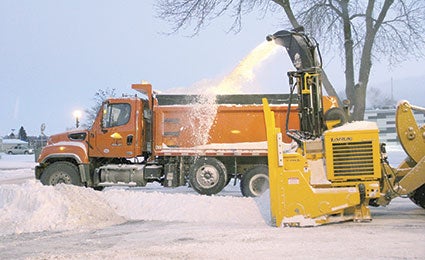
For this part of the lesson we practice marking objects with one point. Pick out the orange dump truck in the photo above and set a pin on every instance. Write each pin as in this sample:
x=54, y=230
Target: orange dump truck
x=170, y=139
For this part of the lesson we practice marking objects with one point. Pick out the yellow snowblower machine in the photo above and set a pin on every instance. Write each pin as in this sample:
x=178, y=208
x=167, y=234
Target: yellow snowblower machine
x=340, y=168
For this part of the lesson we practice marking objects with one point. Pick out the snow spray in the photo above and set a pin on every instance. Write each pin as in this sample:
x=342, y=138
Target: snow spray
x=243, y=73
x=205, y=107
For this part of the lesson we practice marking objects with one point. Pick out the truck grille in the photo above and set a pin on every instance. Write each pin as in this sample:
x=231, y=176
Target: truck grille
x=353, y=159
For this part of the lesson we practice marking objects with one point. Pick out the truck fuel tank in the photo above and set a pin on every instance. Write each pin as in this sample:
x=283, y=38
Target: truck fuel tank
x=135, y=175
x=121, y=174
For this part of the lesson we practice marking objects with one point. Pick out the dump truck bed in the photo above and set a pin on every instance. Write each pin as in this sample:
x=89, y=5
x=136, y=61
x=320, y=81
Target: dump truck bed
x=232, y=125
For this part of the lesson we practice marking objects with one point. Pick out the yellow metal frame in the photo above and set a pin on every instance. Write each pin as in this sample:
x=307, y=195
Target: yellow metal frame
x=273, y=161
x=294, y=201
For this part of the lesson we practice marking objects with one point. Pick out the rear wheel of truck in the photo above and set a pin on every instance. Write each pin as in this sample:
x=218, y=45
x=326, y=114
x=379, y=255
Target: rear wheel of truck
x=255, y=181
x=208, y=176
x=418, y=197
x=61, y=172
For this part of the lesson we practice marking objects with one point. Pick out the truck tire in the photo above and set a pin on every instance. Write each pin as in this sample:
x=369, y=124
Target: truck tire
x=207, y=176
x=61, y=172
x=418, y=197
x=255, y=181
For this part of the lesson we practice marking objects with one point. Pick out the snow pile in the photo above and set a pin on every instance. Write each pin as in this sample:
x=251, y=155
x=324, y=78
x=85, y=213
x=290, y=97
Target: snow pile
x=158, y=206
x=28, y=206
x=32, y=207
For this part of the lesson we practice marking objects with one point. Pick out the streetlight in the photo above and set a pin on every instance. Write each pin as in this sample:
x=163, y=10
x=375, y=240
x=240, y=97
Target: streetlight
x=77, y=115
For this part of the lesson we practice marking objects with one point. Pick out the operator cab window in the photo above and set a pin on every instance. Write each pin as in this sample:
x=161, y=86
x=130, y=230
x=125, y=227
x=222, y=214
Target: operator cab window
x=116, y=114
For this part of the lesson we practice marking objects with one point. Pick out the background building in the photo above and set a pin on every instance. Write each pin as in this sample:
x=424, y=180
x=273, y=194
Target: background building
x=385, y=118
x=9, y=143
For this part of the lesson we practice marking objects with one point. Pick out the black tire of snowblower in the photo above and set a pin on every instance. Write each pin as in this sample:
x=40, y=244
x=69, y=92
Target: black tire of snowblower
x=418, y=197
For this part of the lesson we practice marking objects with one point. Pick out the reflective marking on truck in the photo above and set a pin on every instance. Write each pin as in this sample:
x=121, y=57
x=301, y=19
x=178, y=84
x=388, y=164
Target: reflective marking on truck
x=210, y=153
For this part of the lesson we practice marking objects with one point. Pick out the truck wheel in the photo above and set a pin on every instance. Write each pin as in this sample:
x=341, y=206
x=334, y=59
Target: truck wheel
x=61, y=172
x=418, y=196
x=208, y=176
x=255, y=181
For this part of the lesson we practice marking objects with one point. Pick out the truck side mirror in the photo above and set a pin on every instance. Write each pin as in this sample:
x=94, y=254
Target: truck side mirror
x=104, y=119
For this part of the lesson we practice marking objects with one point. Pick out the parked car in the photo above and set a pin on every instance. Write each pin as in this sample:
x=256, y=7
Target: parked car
x=20, y=149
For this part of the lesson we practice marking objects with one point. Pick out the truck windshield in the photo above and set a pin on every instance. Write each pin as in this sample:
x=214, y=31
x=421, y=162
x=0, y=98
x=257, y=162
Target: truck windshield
x=116, y=114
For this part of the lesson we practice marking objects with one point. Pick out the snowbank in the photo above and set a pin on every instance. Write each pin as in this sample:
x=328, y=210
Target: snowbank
x=28, y=206
x=157, y=206
x=32, y=207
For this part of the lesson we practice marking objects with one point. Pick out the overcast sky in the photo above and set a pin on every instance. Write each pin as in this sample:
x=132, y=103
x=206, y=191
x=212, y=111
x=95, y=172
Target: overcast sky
x=55, y=55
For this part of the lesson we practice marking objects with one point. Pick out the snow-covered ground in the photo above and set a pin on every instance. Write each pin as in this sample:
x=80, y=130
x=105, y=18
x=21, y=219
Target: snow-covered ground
x=68, y=222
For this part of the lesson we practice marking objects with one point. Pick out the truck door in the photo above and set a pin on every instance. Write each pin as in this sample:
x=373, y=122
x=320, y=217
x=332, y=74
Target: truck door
x=115, y=133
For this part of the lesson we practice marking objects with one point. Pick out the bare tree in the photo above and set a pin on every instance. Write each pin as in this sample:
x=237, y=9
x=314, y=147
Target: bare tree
x=377, y=99
x=100, y=96
x=199, y=13
x=363, y=30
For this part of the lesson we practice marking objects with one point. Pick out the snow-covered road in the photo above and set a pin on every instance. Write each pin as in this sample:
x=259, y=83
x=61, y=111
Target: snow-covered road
x=67, y=222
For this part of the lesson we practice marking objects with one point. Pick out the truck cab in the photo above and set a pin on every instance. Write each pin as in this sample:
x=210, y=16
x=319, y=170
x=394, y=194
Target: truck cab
x=119, y=131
